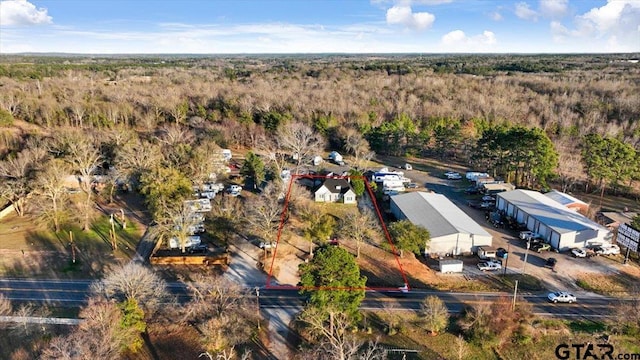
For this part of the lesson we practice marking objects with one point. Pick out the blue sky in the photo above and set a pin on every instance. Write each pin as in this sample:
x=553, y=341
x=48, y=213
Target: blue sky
x=320, y=26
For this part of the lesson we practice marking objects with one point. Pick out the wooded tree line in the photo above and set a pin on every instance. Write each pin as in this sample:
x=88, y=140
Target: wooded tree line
x=420, y=111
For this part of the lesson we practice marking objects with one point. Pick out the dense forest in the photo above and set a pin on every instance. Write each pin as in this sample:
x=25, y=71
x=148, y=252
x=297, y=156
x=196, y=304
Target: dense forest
x=158, y=124
x=436, y=106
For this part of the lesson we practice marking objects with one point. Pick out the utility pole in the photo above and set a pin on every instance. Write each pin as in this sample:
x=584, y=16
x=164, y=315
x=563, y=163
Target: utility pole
x=258, y=305
x=515, y=293
x=525, y=256
x=73, y=247
x=626, y=256
x=506, y=256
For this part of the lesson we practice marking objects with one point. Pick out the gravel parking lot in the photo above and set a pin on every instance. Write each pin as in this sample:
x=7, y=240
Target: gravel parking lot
x=567, y=269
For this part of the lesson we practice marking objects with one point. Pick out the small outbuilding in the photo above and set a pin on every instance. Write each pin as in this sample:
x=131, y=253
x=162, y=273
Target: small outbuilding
x=335, y=156
x=452, y=231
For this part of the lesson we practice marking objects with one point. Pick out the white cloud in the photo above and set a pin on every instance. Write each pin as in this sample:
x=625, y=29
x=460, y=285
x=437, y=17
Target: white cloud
x=614, y=27
x=553, y=8
x=458, y=41
x=403, y=15
x=22, y=12
x=495, y=16
x=410, y=2
x=611, y=15
x=524, y=12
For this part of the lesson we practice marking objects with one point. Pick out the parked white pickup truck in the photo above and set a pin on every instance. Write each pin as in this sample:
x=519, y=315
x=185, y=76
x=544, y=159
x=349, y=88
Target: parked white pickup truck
x=489, y=266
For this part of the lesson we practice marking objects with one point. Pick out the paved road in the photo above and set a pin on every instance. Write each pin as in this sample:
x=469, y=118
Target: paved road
x=74, y=293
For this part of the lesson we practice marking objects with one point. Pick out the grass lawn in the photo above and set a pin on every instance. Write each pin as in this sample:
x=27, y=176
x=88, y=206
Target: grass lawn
x=613, y=285
x=543, y=336
x=30, y=250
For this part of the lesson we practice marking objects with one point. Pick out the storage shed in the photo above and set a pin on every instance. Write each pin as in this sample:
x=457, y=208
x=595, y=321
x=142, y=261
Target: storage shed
x=452, y=231
x=561, y=227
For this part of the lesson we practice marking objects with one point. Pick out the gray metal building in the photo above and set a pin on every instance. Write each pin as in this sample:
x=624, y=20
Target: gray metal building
x=561, y=227
x=452, y=231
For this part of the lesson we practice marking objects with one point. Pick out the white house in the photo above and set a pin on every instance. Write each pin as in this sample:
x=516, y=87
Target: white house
x=560, y=226
x=452, y=231
x=335, y=190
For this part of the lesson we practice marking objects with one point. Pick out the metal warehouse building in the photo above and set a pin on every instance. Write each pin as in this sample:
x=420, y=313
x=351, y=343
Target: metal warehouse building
x=452, y=231
x=563, y=228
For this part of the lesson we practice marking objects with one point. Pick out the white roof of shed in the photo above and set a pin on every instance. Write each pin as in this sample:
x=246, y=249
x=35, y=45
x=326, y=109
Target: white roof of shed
x=549, y=212
x=436, y=213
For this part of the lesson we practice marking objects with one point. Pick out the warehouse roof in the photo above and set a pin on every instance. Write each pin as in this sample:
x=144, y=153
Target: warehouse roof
x=548, y=211
x=563, y=198
x=437, y=214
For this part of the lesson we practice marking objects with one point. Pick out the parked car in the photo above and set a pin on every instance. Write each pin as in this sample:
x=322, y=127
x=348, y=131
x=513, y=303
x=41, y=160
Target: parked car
x=412, y=186
x=609, y=250
x=487, y=205
x=474, y=204
x=234, y=190
x=489, y=266
x=497, y=223
x=529, y=235
x=472, y=190
x=561, y=296
x=266, y=245
x=579, y=253
x=455, y=176
x=198, y=249
x=501, y=253
x=540, y=247
x=551, y=262
x=407, y=166
x=488, y=198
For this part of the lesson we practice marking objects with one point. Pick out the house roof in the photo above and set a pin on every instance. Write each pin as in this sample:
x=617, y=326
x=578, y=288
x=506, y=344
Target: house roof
x=436, y=213
x=619, y=217
x=563, y=198
x=549, y=212
x=336, y=186
x=500, y=186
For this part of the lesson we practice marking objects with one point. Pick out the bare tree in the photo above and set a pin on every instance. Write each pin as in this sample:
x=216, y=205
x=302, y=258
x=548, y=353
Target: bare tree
x=17, y=174
x=51, y=188
x=356, y=144
x=372, y=351
x=263, y=213
x=434, y=314
x=358, y=226
x=273, y=153
x=215, y=296
x=100, y=334
x=134, y=281
x=10, y=101
x=335, y=341
x=222, y=311
x=206, y=163
x=301, y=141
x=5, y=308
x=461, y=348
x=178, y=223
x=84, y=157
x=64, y=348
x=136, y=157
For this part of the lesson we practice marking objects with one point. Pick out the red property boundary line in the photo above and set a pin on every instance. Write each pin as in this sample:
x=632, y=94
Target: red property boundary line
x=283, y=216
